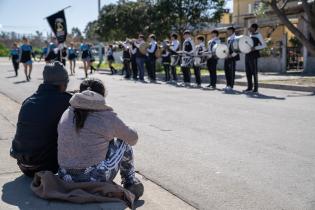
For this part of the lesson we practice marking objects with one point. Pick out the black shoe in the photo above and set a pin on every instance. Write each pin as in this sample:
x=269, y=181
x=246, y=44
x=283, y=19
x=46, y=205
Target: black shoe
x=135, y=187
x=247, y=90
x=208, y=86
x=255, y=90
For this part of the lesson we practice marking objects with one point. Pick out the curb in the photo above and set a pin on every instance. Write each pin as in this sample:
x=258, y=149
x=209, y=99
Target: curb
x=280, y=86
x=266, y=85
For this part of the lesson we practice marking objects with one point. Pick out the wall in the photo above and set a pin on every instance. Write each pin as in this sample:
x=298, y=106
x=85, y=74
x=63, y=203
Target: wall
x=240, y=10
x=265, y=64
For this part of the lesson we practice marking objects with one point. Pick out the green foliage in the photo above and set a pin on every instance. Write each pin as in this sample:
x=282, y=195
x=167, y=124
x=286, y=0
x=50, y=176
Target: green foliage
x=260, y=9
x=295, y=42
x=129, y=18
x=4, y=51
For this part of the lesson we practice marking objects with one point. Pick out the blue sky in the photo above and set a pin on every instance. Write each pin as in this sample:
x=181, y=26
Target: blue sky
x=27, y=16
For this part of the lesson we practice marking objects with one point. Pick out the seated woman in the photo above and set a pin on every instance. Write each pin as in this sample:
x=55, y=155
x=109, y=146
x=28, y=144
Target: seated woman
x=94, y=143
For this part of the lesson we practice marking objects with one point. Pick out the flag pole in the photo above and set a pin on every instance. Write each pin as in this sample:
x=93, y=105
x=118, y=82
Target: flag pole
x=59, y=11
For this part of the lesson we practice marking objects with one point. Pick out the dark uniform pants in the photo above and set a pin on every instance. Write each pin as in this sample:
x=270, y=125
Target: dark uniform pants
x=151, y=69
x=197, y=75
x=212, y=67
x=186, y=74
x=134, y=68
x=229, y=69
x=251, y=71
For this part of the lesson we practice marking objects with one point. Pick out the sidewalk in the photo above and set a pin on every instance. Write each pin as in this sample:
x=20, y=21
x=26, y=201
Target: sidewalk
x=16, y=193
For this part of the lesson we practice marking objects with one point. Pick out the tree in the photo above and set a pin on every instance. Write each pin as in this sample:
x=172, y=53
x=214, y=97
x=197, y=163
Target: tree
x=279, y=8
x=76, y=32
x=184, y=14
x=129, y=18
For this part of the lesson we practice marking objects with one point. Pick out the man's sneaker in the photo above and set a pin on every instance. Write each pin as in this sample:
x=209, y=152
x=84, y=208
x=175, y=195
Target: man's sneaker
x=135, y=187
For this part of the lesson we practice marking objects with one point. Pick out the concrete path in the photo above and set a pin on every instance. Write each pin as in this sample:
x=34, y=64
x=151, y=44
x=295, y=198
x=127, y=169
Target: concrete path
x=16, y=193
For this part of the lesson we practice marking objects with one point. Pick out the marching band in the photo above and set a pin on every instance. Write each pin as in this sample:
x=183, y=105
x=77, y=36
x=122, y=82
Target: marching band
x=138, y=55
x=197, y=56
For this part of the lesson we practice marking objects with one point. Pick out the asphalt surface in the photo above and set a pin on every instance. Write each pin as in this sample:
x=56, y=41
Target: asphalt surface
x=212, y=149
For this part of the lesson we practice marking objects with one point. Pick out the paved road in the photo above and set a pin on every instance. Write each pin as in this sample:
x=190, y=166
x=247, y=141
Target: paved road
x=214, y=150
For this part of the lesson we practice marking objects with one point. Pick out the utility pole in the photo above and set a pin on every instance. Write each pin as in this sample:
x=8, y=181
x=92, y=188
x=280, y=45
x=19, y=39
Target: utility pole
x=99, y=7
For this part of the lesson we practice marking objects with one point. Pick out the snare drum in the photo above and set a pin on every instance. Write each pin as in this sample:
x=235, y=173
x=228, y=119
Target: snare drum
x=197, y=61
x=186, y=61
x=221, y=51
x=242, y=44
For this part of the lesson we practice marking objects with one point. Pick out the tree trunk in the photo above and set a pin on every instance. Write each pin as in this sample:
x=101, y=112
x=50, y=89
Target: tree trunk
x=299, y=35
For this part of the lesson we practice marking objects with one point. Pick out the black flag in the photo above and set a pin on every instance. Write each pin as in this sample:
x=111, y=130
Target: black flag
x=58, y=25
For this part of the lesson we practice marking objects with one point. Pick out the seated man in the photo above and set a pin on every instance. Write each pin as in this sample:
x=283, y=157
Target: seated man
x=35, y=143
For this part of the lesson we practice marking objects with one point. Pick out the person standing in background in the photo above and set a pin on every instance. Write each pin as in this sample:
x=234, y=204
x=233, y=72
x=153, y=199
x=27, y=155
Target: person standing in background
x=200, y=48
x=251, y=58
x=166, y=61
x=230, y=61
x=25, y=57
x=213, y=61
x=188, y=49
x=152, y=58
x=111, y=59
x=86, y=56
x=133, y=61
x=175, y=46
x=72, y=58
x=14, y=56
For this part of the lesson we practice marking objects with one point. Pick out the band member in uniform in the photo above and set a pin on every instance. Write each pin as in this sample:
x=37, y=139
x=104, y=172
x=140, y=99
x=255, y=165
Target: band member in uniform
x=92, y=68
x=166, y=61
x=200, y=48
x=230, y=61
x=14, y=56
x=175, y=46
x=133, y=61
x=126, y=60
x=86, y=56
x=188, y=49
x=213, y=61
x=140, y=57
x=111, y=59
x=252, y=57
x=72, y=57
x=151, y=58
x=25, y=58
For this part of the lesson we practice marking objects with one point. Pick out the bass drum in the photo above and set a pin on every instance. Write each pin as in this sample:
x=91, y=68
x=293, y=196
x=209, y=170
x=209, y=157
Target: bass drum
x=221, y=51
x=242, y=44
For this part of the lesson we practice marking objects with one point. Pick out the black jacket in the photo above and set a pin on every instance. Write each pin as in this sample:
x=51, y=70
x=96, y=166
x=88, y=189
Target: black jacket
x=35, y=140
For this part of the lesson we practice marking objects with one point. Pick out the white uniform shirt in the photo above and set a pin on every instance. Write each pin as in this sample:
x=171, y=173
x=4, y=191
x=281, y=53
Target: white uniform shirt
x=261, y=40
x=175, y=45
x=213, y=42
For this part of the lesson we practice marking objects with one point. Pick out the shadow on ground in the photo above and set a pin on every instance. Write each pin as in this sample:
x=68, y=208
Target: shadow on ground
x=18, y=193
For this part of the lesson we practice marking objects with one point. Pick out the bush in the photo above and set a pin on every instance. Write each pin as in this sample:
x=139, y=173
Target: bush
x=4, y=51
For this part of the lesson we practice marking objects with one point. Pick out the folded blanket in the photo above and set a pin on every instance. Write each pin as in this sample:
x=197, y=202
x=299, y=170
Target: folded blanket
x=48, y=186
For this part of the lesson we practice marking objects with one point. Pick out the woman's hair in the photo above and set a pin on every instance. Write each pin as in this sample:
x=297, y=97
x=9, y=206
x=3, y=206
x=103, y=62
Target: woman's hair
x=94, y=85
